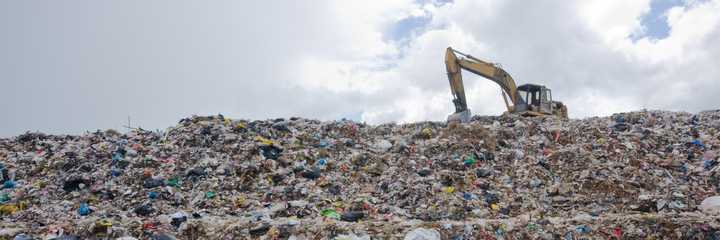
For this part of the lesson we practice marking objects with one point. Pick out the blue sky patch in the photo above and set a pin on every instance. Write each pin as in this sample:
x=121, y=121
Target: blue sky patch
x=404, y=28
x=655, y=21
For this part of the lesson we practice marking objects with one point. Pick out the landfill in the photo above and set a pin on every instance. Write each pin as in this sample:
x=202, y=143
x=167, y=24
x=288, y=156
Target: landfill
x=647, y=174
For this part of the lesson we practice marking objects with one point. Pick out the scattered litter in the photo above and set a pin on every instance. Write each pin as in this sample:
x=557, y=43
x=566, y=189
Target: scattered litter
x=638, y=175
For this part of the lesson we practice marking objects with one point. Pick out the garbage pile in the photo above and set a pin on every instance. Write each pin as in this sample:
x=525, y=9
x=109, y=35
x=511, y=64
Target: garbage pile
x=638, y=175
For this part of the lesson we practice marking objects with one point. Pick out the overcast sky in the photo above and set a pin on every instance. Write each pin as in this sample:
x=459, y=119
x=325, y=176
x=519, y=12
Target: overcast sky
x=71, y=66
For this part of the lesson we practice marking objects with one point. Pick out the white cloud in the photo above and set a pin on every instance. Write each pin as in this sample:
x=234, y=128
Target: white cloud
x=326, y=59
x=584, y=52
x=614, y=20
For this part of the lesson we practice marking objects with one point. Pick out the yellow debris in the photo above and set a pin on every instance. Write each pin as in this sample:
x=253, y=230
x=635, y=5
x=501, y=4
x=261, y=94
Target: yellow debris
x=267, y=141
x=8, y=208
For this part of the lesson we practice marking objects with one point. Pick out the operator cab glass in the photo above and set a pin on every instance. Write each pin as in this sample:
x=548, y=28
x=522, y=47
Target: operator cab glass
x=532, y=98
x=546, y=101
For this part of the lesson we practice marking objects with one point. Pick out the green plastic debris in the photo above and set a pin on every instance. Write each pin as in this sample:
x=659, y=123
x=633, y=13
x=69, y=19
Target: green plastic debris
x=173, y=181
x=4, y=198
x=209, y=195
x=330, y=213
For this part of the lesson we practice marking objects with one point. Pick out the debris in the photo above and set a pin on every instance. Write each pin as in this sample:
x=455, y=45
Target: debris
x=423, y=234
x=652, y=176
x=711, y=205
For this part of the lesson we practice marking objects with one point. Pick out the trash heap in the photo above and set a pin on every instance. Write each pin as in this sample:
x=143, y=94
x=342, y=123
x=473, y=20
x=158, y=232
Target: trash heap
x=638, y=175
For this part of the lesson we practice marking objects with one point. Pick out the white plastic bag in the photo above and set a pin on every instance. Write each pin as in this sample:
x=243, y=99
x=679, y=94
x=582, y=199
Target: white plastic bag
x=423, y=234
x=711, y=204
x=352, y=237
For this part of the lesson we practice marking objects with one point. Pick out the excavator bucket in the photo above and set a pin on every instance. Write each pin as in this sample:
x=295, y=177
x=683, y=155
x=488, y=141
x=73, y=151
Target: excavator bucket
x=463, y=117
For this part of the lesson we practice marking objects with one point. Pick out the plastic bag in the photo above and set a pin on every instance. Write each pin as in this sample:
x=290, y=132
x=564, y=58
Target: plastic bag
x=198, y=172
x=260, y=230
x=9, y=184
x=330, y=214
x=352, y=216
x=163, y=236
x=83, y=210
x=152, y=182
x=68, y=238
x=352, y=237
x=144, y=210
x=483, y=173
x=72, y=184
x=311, y=174
x=711, y=204
x=423, y=234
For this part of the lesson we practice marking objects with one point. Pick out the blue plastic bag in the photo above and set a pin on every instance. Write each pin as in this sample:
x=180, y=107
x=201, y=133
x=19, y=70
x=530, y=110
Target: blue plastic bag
x=9, y=184
x=83, y=210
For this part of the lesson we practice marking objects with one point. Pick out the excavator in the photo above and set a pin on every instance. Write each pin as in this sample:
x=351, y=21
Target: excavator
x=527, y=99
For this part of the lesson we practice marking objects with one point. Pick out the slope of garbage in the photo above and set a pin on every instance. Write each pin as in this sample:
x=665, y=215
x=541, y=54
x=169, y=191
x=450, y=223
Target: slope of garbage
x=638, y=175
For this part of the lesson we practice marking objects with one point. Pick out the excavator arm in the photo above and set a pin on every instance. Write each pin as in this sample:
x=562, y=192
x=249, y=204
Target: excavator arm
x=485, y=69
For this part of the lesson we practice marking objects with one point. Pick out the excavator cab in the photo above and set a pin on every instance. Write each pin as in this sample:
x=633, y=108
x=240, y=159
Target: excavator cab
x=536, y=101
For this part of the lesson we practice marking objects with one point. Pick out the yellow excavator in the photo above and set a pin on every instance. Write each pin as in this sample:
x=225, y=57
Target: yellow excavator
x=527, y=99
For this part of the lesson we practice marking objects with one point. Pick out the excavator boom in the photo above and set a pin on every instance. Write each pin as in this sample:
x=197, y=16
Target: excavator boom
x=485, y=69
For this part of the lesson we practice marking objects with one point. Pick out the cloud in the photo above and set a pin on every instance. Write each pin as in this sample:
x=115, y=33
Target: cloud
x=583, y=51
x=73, y=66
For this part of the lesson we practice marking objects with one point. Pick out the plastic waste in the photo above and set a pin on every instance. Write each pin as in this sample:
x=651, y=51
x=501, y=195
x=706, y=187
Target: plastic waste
x=198, y=171
x=424, y=173
x=68, y=238
x=330, y=214
x=163, y=236
x=351, y=237
x=260, y=230
x=711, y=205
x=144, y=210
x=647, y=174
x=311, y=174
x=153, y=182
x=423, y=234
x=72, y=184
x=83, y=210
x=352, y=216
x=482, y=173
x=9, y=184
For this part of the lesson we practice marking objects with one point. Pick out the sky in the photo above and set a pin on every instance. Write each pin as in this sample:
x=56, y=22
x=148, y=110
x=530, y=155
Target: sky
x=67, y=67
